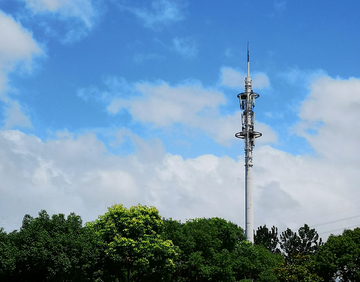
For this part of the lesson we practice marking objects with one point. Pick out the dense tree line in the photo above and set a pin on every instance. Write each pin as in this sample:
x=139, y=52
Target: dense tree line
x=137, y=244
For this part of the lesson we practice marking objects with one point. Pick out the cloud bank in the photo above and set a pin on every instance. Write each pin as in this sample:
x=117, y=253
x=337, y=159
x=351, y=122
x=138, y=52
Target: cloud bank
x=161, y=105
x=78, y=173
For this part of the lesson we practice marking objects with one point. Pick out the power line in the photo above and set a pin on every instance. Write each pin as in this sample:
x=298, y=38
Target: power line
x=346, y=228
x=307, y=208
x=337, y=220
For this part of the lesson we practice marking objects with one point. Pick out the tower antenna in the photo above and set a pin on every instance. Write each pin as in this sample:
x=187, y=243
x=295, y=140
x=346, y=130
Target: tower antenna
x=247, y=104
x=248, y=61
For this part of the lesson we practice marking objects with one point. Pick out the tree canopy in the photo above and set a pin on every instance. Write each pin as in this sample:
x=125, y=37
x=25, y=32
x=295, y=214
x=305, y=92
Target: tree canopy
x=339, y=257
x=306, y=241
x=215, y=250
x=132, y=245
x=50, y=249
x=267, y=238
x=137, y=244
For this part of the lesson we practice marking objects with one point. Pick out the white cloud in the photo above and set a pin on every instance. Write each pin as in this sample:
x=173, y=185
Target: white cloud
x=78, y=17
x=186, y=47
x=77, y=173
x=289, y=190
x=162, y=105
x=81, y=9
x=161, y=12
x=44, y=5
x=261, y=81
x=293, y=190
x=14, y=116
x=223, y=128
x=17, y=51
x=16, y=44
x=268, y=135
x=232, y=78
x=296, y=76
x=330, y=119
x=189, y=104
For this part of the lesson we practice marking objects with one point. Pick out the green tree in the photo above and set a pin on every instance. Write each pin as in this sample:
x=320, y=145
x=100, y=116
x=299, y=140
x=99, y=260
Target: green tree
x=206, y=248
x=255, y=263
x=302, y=268
x=8, y=254
x=339, y=257
x=306, y=242
x=54, y=249
x=215, y=250
x=132, y=245
x=267, y=238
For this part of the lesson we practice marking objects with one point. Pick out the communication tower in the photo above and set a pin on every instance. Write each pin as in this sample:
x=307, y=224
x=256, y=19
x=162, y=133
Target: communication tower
x=247, y=104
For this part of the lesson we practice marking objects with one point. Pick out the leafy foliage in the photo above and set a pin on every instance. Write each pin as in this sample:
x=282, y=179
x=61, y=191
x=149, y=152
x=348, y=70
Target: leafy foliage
x=8, y=254
x=302, y=268
x=255, y=263
x=339, y=257
x=136, y=244
x=133, y=248
x=307, y=242
x=52, y=249
x=267, y=238
x=215, y=250
x=206, y=247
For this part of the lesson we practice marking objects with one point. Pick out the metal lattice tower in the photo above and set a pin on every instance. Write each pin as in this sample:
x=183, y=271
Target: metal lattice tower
x=247, y=104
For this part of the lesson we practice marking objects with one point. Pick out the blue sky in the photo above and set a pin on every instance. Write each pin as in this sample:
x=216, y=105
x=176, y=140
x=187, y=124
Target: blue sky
x=116, y=101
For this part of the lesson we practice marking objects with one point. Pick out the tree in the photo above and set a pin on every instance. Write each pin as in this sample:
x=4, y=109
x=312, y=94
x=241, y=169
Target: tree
x=339, y=257
x=302, y=268
x=215, y=250
x=8, y=254
x=255, y=263
x=206, y=248
x=267, y=238
x=132, y=246
x=306, y=243
x=54, y=249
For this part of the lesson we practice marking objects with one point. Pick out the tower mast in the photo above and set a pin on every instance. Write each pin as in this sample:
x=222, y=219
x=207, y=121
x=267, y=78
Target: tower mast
x=247, y=104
